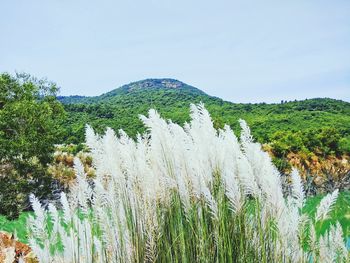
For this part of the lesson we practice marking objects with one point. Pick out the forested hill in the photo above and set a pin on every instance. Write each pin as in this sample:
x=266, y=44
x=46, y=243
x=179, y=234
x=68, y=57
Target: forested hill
x=149, y=85
x=319, y=125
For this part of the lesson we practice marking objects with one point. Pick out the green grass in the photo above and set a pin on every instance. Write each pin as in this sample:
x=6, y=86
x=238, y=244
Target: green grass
x=340, y=212
x=17, y=226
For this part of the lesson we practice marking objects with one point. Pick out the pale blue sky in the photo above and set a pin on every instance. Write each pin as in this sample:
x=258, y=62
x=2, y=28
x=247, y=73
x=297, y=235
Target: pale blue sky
x=242, y=51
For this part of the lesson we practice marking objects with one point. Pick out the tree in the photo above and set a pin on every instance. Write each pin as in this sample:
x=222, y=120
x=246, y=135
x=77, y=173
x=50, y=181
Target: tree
x=329, y=137
x=30, y=118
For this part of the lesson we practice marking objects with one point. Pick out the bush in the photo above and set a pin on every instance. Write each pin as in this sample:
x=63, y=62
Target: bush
x=344, y=145
x=17, y=184
x=281, y=164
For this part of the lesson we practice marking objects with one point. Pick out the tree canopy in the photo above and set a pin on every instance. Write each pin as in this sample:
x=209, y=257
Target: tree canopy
x=30, y=121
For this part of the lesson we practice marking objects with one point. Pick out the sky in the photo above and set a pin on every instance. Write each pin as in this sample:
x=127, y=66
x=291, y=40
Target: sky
x=241, y=51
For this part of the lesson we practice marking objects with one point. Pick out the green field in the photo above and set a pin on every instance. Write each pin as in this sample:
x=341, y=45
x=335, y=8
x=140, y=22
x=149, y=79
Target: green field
x=340, y=212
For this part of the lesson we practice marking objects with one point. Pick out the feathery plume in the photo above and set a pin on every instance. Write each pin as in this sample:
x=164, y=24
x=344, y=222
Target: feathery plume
x=325, y=205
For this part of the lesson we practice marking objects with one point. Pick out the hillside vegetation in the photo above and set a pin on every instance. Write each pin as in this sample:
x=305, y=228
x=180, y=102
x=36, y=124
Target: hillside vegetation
x=121, y=108
x=312, y=127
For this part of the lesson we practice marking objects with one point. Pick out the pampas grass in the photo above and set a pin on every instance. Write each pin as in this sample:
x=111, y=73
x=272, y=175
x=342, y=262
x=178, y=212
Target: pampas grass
x=192, y=194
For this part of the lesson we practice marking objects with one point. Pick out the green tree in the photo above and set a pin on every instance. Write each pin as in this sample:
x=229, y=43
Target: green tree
x=329, y=138
x=30, y=118
x=285, y=142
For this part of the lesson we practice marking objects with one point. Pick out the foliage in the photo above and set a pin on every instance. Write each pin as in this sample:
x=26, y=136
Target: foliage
x=30, y=121
x=190, y=194
x=344, y=144
x=324, y=141
x=316, y=125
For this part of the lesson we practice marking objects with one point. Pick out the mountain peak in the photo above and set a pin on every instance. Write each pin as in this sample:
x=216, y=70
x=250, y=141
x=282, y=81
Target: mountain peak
x=154, y=84
x=137, y=87
x=161, y=83
x=164, y=82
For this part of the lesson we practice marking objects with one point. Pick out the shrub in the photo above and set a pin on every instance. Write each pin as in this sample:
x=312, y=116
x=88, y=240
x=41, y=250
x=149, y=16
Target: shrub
x=191, y=194
x=62, y=167
x=344, y=145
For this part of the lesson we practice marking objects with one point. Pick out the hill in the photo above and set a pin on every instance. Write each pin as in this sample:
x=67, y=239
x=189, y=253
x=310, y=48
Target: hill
x=120, y=108
x=320, y=125
x=148, y=85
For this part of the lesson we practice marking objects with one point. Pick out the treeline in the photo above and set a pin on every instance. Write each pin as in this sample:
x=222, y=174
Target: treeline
x=321, y=126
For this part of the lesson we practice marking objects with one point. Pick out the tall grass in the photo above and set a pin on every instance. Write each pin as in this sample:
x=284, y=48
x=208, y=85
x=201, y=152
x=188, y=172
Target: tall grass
x=192, y=194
